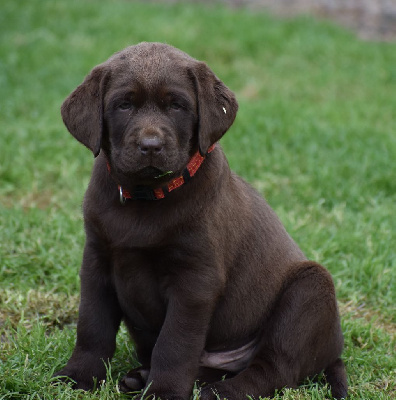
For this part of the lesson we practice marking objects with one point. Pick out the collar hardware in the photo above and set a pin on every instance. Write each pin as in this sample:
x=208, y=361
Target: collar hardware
x=122, y=198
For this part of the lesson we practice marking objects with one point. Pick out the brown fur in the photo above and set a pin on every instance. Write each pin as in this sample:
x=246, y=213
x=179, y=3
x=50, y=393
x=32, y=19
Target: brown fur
x=207, y=280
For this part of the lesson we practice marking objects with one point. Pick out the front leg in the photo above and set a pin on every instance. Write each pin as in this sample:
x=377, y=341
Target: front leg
x=175, y=358
x=176, y=354
x=98, y=321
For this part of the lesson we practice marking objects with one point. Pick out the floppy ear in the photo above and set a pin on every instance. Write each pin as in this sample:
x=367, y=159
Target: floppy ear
x=217, y=106
x=82, y=111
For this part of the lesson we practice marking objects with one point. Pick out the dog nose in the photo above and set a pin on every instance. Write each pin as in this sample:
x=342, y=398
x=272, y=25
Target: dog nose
x=151, y=145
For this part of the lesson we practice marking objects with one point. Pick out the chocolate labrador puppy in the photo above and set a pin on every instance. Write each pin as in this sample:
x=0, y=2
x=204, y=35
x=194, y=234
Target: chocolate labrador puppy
x=187, y=254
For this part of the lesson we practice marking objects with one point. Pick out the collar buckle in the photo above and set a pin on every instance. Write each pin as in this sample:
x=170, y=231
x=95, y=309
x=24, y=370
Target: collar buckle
x=143, y=193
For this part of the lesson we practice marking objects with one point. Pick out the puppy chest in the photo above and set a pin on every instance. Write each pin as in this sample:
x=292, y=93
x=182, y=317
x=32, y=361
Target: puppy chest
x=141, y=289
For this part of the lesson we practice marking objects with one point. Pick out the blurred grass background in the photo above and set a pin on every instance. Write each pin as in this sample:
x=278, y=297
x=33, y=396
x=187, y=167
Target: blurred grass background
x=315, y=134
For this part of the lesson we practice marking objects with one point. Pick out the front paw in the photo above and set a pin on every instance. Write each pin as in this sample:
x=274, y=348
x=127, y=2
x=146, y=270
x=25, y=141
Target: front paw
x=78, y=379
x=134, y=380
x=212, y=392
x=160, y=396
x=157, y=394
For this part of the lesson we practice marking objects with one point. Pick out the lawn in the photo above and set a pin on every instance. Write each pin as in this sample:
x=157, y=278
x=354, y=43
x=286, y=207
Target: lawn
x=315, y=134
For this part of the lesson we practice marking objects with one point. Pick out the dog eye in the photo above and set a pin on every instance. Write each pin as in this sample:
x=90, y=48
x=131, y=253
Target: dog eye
x=175, y=106
x=125, y=105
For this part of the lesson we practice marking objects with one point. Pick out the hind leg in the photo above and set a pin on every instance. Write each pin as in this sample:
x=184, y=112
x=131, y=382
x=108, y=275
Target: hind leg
x=300, y=338
x=337, y=379
x=259, y=379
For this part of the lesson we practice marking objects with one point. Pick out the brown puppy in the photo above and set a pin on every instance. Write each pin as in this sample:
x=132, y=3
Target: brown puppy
x=182, y=250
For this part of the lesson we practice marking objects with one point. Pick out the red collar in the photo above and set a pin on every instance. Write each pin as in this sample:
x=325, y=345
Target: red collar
x=147, y=193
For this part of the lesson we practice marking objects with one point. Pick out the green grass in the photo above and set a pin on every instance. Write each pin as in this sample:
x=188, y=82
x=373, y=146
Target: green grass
x=314, y=134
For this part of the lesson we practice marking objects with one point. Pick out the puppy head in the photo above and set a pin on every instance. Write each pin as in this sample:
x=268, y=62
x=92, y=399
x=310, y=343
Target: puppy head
x=149, y=107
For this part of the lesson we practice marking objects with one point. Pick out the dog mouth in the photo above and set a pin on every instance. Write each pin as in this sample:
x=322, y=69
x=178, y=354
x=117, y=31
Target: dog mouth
x=150, y=173
x=153, y=173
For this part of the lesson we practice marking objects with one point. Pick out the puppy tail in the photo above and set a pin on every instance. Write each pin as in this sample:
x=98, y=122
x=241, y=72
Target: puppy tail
x=337, y=379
